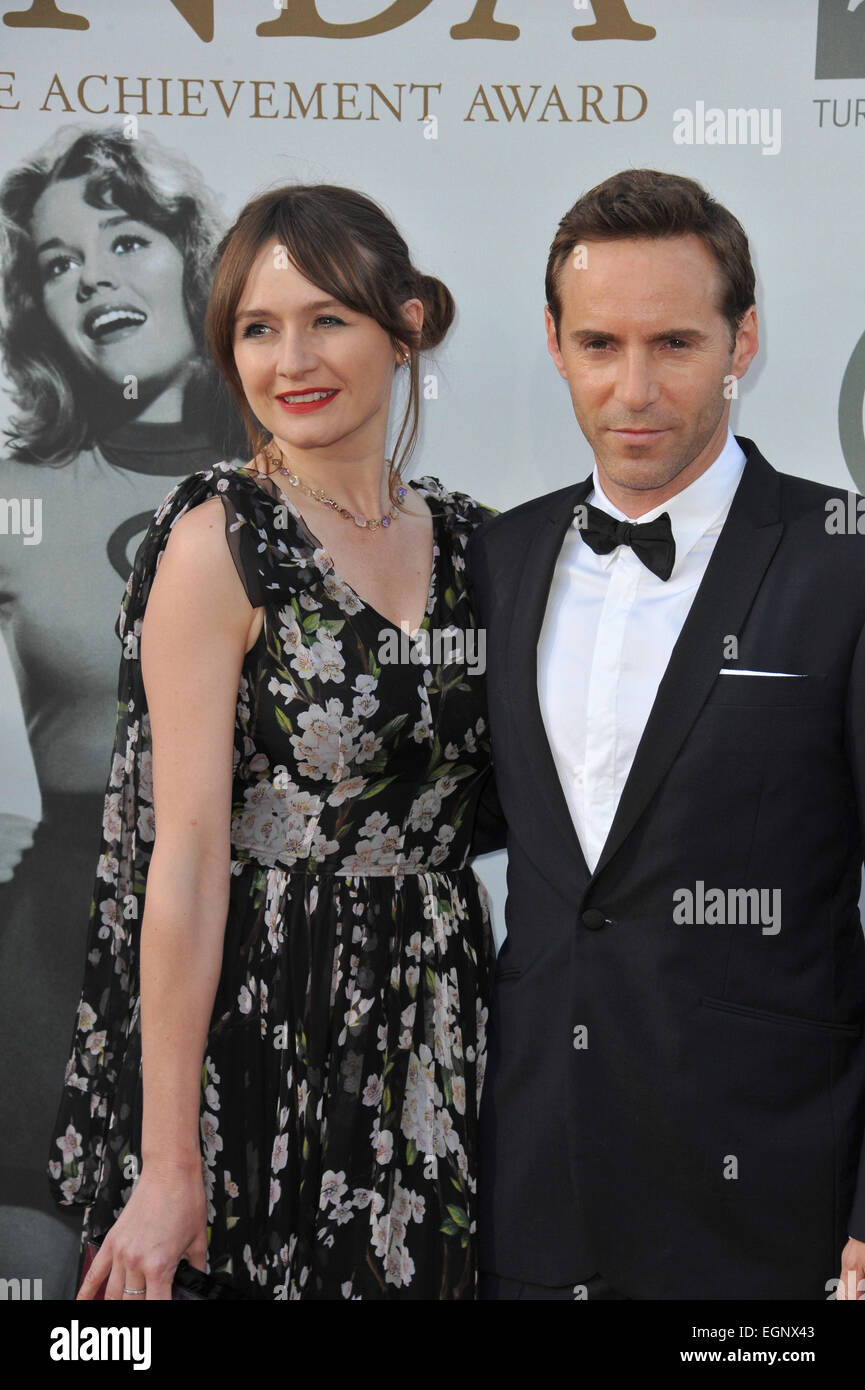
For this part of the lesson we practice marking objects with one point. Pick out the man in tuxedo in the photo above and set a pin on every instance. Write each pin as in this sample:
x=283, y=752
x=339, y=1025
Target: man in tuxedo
x=674, y=1100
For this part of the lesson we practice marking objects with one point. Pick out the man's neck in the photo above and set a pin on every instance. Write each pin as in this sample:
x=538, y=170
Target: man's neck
x=635, y=502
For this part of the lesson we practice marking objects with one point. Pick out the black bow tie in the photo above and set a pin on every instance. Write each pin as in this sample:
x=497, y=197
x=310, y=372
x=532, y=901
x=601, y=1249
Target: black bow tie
x=651, y=541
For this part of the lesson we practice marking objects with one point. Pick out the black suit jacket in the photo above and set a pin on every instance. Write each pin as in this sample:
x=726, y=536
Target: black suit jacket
x=707, y=1139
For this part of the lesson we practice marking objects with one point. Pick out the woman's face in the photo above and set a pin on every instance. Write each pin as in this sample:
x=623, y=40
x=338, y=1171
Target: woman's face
x=113, y=288
x=317, y=374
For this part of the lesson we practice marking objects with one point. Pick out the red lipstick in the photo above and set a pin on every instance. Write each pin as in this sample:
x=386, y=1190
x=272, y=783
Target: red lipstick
x=302, y=402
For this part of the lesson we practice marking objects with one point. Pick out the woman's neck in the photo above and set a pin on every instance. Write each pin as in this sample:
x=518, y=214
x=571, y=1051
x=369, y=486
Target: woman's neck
x=359, y=485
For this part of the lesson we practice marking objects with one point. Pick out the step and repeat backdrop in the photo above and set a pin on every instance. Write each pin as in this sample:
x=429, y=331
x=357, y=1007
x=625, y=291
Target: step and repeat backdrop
x=476, y=124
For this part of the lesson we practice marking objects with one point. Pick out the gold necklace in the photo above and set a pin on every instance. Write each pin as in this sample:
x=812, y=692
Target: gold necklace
x=319, y=495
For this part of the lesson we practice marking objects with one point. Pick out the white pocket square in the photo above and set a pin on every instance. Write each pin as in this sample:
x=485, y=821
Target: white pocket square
x=794, y=675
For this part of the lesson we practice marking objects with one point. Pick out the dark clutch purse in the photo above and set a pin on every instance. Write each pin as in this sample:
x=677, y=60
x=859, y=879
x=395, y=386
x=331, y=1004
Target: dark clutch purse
x=188, y=1283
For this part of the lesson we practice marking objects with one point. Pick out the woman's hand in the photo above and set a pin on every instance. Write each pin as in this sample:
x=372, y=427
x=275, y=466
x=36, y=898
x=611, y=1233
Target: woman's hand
x=164, y=1221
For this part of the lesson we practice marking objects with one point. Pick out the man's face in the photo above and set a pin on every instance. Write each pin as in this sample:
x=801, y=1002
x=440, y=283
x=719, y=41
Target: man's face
x=645, y=350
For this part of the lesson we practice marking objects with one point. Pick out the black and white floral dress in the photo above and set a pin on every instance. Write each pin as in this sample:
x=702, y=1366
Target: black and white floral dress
x=345, y=1055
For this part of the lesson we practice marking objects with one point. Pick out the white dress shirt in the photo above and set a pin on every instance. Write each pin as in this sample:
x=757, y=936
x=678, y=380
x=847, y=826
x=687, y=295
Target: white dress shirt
x=608, y=634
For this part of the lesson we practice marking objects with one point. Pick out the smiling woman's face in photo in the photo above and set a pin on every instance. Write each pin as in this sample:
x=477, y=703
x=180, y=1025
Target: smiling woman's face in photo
x=113, y=288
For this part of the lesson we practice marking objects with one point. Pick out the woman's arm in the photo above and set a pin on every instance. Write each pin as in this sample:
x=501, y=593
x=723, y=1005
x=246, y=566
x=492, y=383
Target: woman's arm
x=193, y=640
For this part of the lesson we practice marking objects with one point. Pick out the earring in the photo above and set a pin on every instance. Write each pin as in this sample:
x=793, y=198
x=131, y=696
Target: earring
x=406, y=361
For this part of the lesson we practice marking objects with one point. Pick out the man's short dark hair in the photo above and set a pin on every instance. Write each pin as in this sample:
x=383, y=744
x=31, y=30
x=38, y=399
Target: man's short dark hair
x=648, y=203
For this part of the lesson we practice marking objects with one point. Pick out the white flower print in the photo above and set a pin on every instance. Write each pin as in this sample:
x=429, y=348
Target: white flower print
x=383, y=1145
x=289, y=632
x=279, y=1157
x=352, y=786
x=111, y=822
x=302, y=1098
x=106, y=868
x=210, y=1136
x=458, y=1089
x=344, y=597
x=147, y=823
x=327, y=653
x=369, y=746
x=305, y=664
x=425, y=808
x=364, y=706
x=374, y=1089
x=327, y=744
x=445, y=1135
x=354, y=1015
x=86, y=1017
x=69, y=1144
x=322, y=559
x=287, y=691
x=333, y=1188
x=108, y=914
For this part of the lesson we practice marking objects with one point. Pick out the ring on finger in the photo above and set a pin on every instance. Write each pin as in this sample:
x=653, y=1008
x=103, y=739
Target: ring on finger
x=134, y=1291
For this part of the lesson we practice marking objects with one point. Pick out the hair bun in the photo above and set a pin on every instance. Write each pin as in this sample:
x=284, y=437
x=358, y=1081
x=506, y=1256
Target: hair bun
x=438, y=309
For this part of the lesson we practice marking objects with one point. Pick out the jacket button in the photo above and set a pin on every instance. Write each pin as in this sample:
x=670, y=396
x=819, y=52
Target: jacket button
x=593, y=918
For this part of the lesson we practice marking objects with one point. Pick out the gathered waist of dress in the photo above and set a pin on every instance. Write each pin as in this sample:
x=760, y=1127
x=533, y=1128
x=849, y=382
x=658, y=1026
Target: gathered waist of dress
x=304, y=832
x=347, y=869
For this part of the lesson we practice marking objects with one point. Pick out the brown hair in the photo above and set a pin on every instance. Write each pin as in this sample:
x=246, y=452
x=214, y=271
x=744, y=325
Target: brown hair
x=345, y=244
x=648, y=203
x=61, y=408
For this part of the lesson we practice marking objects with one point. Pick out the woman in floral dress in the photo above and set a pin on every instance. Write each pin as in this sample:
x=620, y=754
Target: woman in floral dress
x=301, y=716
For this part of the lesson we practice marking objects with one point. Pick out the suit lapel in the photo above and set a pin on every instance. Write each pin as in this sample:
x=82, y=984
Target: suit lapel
x=530, y=604
x=745, y=547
